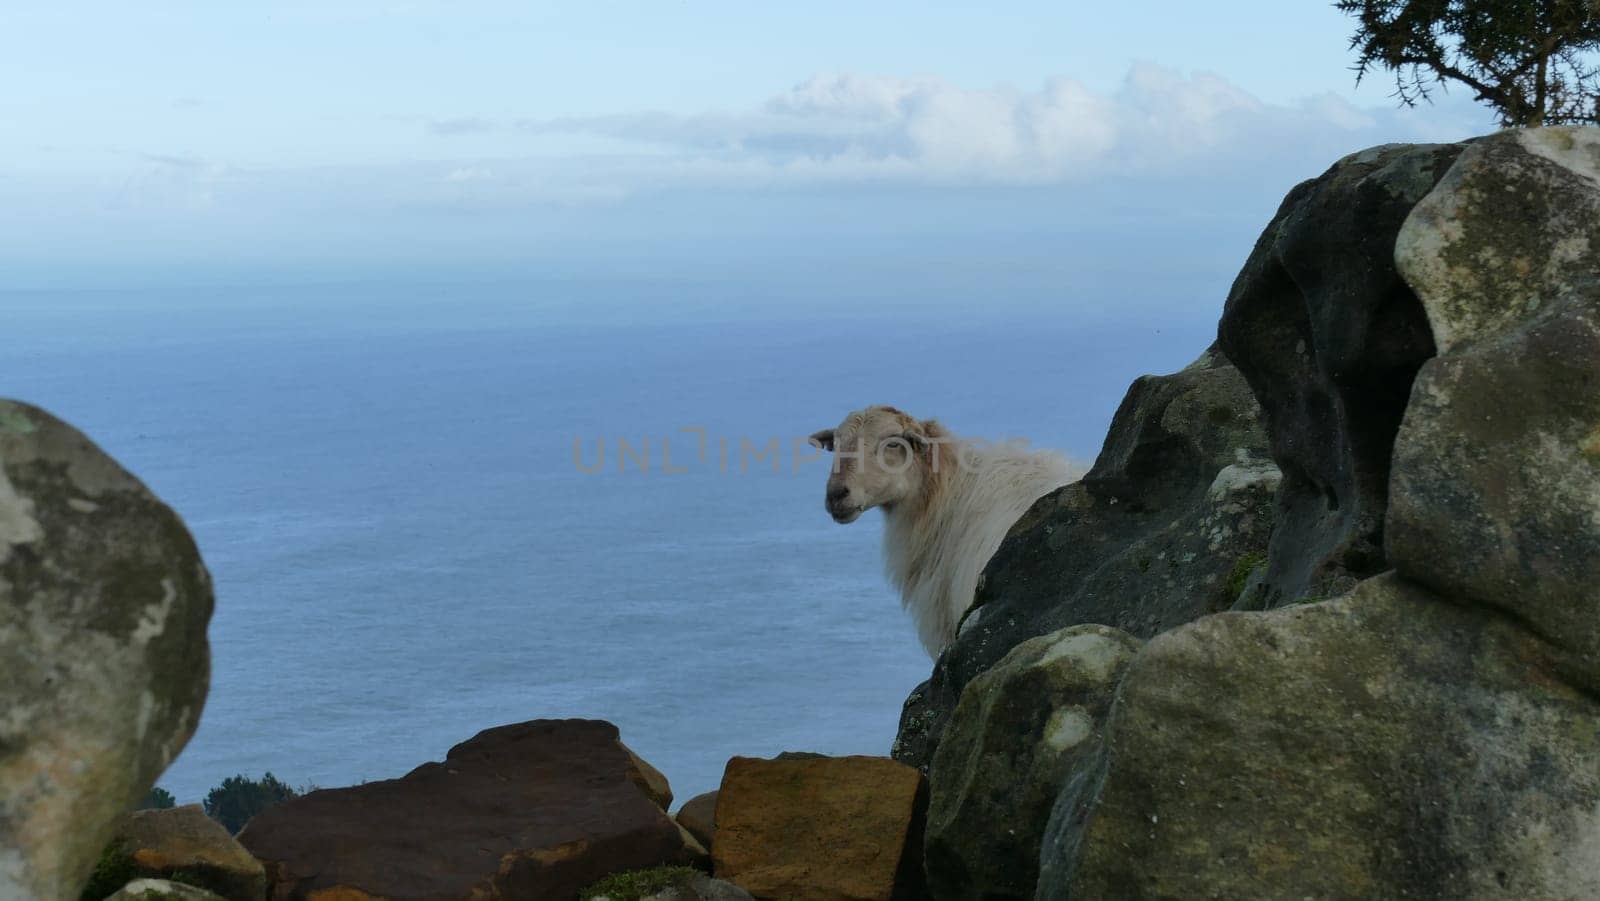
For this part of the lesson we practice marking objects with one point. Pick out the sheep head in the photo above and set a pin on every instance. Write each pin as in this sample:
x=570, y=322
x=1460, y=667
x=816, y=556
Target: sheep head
x=881, y=457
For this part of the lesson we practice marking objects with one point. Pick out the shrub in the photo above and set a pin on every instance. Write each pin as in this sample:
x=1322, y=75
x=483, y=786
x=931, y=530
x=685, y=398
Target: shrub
x=637, y=884
x=157, y=798
x=239, y=798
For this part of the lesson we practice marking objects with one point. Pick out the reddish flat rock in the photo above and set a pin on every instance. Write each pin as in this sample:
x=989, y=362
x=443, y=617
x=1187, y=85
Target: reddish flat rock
x=535, y=810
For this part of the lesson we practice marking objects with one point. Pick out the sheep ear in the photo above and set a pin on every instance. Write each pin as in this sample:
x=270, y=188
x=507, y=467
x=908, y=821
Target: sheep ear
x=822, y=439
x=915, y=437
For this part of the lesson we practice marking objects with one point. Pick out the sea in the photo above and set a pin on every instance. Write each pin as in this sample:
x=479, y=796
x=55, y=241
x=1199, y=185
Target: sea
x=434, y=506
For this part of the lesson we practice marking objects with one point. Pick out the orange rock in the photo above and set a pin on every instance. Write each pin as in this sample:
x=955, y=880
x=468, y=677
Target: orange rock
x=822, y=829
x=165, y=842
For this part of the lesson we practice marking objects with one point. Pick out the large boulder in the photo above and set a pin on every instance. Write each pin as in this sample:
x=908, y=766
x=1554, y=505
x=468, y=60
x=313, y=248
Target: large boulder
x=183, y=840
x=1497, y=466
x=1330, y=337
x=1389, y=744
x=1432, y=732
x=535, y=810
x=104, y=665
x=1167, y=526
x=821, y=828
x=1019, y=730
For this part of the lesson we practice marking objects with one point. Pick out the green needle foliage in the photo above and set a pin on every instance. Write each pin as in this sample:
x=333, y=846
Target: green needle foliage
x=1536, y=62
x=239, y=798
x=157, y=798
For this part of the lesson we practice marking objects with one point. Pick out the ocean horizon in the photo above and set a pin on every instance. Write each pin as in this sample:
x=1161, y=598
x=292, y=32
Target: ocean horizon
x=388, y=484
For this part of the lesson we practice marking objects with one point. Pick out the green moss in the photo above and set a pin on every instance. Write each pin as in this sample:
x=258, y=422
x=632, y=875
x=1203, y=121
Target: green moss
x=112, y=871
x=116, y=868
x=1240, y=575
x=632, y=886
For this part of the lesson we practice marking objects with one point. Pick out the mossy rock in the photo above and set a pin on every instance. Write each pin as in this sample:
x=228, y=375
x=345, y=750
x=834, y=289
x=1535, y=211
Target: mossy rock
x=1242, y=568
x=112, y=871
x=104, y=604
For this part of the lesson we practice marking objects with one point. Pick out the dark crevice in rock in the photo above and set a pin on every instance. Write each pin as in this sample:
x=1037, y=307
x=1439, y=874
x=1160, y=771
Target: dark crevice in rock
x=1330, y=339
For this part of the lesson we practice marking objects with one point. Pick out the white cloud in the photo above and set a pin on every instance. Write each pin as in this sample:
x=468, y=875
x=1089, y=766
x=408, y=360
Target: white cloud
x=1158, y=122
x=1162, y=147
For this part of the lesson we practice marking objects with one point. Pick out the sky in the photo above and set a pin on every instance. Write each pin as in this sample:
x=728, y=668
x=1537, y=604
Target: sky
x=186, y=137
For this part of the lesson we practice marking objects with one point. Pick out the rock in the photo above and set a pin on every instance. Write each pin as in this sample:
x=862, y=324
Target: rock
x=1430, y=733
x=699, y=816
x=1020, y=728
x=1329, y=337
x=104, y=664
x=184, y=840
x=1388, y=744
x=821, y=829
x=1497, y=467
x=695, y=852
x=664, y=884
x=1168, y=526
x=649, y=780
x=533, y=810
x=161, y=890
x=703, y=888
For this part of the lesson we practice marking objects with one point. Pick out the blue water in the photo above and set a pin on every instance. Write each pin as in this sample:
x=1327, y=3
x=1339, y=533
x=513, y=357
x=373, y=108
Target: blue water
x=381, y=479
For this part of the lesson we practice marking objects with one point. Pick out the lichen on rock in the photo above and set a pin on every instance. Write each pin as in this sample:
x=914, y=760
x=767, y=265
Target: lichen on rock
x=1020, y=728
x=104, y=665
x=1431, y=731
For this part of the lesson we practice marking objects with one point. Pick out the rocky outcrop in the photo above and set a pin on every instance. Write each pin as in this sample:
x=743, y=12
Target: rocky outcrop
x=1330, y=337
x=821, y=828
x=184, y=840
x=1167, y=526
x=533, y=810
x=1389, y=744
x=1497, y=466
x=104, y=666
x=1431, y=732
x=699, y=816
x=1019, y=730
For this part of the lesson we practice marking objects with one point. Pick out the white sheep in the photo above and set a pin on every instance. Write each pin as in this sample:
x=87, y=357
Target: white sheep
x=947, y=504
